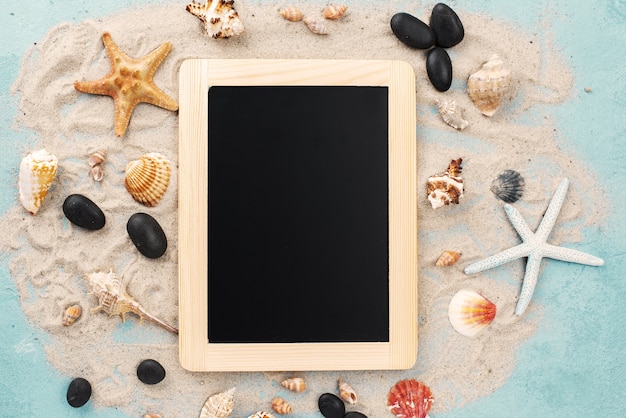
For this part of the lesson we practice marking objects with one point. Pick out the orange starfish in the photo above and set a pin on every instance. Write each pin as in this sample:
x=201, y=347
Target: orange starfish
x=129, y=82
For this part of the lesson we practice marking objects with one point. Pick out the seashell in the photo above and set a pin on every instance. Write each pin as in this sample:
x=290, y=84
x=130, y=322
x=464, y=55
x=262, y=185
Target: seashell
x=447, y=258
x=95, y=161
x=295, y=384
x=443, y=189
x=410, y=399
x=219, y=17
x=71, y=314
x=346, y=392
x=261, y=414
x=37, y=172
x=315, y=26
x=508, y=186
x=334, y=12
x=152, y=416
x=114, y=300
x=451, y=114
x=147, y=178
x=291, y=13
x=281, y=406
x=487, y=86
x=470, y=312
x=219, y=405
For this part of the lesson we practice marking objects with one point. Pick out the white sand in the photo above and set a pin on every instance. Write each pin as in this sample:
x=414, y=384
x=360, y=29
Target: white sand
x=50, y=257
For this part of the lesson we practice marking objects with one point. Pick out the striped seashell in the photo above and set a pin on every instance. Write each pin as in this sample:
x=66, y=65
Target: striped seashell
x=346, y=392
x=508, y=186
x=447, y=258
x=219, y=405
x=443, y=189
x=410, y=399
x=315, y=26
x=71, y=314
x=219, y=17
x=294, y=384
x=281, y=406
x=291, y=13
x=147, y=178
x=334, y=12
x=451, y=114
x=37, y=172
x=261, y=414
x=470, y=312
x=487, y=86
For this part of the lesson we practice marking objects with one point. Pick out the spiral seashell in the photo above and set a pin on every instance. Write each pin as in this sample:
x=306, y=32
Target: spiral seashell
x=487, y=86
x=71, y=314
x=508, y=186
x=315, y=26
x=470, y=312
x=95, y=161
x=410, y=399
x=451, y=114
x=346, y=392
x=443, y=189
x=37, y=172
x=219, y=405
x=294, y=384
x=152, y=416
x=219, y=17
x=334, y=12
x=147, y=178
x=291, y=13
x=447, y=258
x=261, y=414
x=281, y=406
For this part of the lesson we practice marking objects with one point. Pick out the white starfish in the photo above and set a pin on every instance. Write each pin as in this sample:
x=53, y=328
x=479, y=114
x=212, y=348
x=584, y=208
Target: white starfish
x=535, y=247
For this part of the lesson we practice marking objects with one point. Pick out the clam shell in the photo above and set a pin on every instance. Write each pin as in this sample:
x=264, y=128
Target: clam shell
x=470, y=312
x=445, y=188
x=294, y=384
x=71, y=314
x=147, y=178
x=451, y=114
x=219, y=17
x=447, y=258
x=219, y=405
x=281, y=406
x=37, y=172
x=508, y=186
x=261, y=414
x=410, y=399
x=291, y=13
x=487, y=86
x=346, y=392
x=333, y=12
x=315, y=26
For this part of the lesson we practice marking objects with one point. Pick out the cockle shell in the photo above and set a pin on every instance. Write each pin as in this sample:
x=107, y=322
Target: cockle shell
x=219, y=405
x=447, y=258
x=446, y=188
x=281, y=406
x=346, y=392
x=219, y=17
x=315, y=26
x=71, y=314
x=451, y=114
x=114, y=300
x=291, y=13
x=295, y=384
x=147, y=178
x=508, y=186
x=470, y=312
x=95, y=161
x=37, y=172
x=487, y=86
x=261, y=414
x=410, y=399
x=333, y=12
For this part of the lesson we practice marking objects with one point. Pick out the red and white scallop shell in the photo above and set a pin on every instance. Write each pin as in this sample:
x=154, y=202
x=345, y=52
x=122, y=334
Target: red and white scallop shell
x=487, y=86
x=37, y=172
x=410, y=399
x=219, y=405
x=470, y=312
x=147, y=178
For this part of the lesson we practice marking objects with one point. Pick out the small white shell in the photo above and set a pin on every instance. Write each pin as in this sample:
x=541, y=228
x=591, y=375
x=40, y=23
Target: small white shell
x=451, y=114
x=261, y=414
x=346, y=392
x=315, y=26
x=219, y=405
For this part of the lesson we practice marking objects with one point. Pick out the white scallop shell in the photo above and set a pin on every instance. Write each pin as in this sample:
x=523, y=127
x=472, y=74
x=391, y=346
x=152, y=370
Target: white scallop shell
x=470, y=312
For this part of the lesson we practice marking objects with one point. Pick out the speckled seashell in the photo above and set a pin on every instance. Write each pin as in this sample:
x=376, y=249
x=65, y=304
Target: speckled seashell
x=219, y=17
x=37, y=172
x=451, y=114
x=261, y=414
x=147, y=178
x=219, y=405
x=95, y=161
x=447, y=258
x=487, y=86
x=315, y=26
x=443, y=189
x=334, y=12
x=346, y=392
x=294, y=384
x=470, y=312
x=508, y=186
x=410, y=399
x=291, y=13
x=281, y=406
x=71, y=314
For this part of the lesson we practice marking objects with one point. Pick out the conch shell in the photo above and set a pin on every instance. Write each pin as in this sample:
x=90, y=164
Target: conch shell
x=334, y=12
x=71, y=314
x=294, y=384
x=114, y=300
x=487, y=86
x=147, y=178
x=447, y=187
x=447, y=258
x=281, y=406
x=291, y=13
x=346, y=392
x=219, y=17
x=37, y=172
x=451, y=114
x=219, y=405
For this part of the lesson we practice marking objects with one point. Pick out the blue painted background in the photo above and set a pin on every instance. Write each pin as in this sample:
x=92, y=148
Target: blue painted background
x=574, y=366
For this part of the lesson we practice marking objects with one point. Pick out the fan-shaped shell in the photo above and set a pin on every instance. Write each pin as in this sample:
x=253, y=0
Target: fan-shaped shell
x=508, y=186
x=487, y=86
x=410, y=399
x=219, y=405
x=37, y=172
x=315, y=26
x=294, y=384
x=333, y=12
x=447, y=258
x=71, y=314
x=291, y=13
x=346, y=392
x=147, y=178
x=470, y=312
x=281, y=406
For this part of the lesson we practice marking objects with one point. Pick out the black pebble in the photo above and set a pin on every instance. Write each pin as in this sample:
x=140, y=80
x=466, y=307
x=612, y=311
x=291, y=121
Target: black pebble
x=439, y=68
x=150, y=372
x=412, y=31
x=446, y=25
x=78, y=392
x=147, y=235
x=83, y=212
x=354, y=414
x=331, y=406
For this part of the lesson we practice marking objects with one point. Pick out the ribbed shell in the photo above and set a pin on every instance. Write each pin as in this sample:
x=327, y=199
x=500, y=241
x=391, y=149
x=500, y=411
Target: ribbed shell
x=316, y=26
x=508, y=186
x=451, y=114
x=470, y=312
x=294, y=384
x=147, y=178
x=410, y=399
x=71, y=314
x=291, y=13
x=333, y=12
x=487, y=86
x=447, y=258
x=37, y=172
x=219, y=405
x=281, y=406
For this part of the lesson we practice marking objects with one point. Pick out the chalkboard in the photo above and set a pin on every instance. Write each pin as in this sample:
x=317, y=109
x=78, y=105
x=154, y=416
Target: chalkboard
x=297, y=223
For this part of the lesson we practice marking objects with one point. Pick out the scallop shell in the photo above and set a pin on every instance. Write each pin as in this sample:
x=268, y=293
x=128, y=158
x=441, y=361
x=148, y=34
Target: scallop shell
x=295, y=384
x=443, y=189
x=261, y=414
x=147, y=178
x=95, y=161
x=315, y=26
x=410, y=399
x=37, y=172
x=219, y=405
x=281, y=406
x=447, y=258
x=508, y=186
x=219, y=17
x=346, y=392
x=470, y=312
x=334, y=12
x=487, y=86
x=451, y=114
x=71, y=314
x=291, y=13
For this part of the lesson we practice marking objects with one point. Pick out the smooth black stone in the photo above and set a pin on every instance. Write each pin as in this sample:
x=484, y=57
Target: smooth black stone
x=412, y=31
x=83, y=212
x=439, y=68
x=147, y=235
x=78, y=392
x=446, y=25
x=150, y=372
x=331, y=406
x=354, y=414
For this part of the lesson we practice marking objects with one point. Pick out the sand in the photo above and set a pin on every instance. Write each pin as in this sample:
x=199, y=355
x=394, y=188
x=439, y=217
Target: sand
x=49, y=257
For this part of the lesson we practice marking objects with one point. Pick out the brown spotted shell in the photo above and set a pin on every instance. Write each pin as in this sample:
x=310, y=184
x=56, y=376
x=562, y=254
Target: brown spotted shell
x=291, y=13
x=487, y=86
x=147, y=178
x=333, y=12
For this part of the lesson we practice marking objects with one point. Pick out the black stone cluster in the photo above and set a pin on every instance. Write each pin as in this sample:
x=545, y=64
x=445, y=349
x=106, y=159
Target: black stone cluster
x=331, y=406
x=445, y=31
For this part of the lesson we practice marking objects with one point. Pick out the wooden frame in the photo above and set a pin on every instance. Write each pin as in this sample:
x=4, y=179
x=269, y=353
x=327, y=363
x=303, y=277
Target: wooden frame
x=196, y=352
